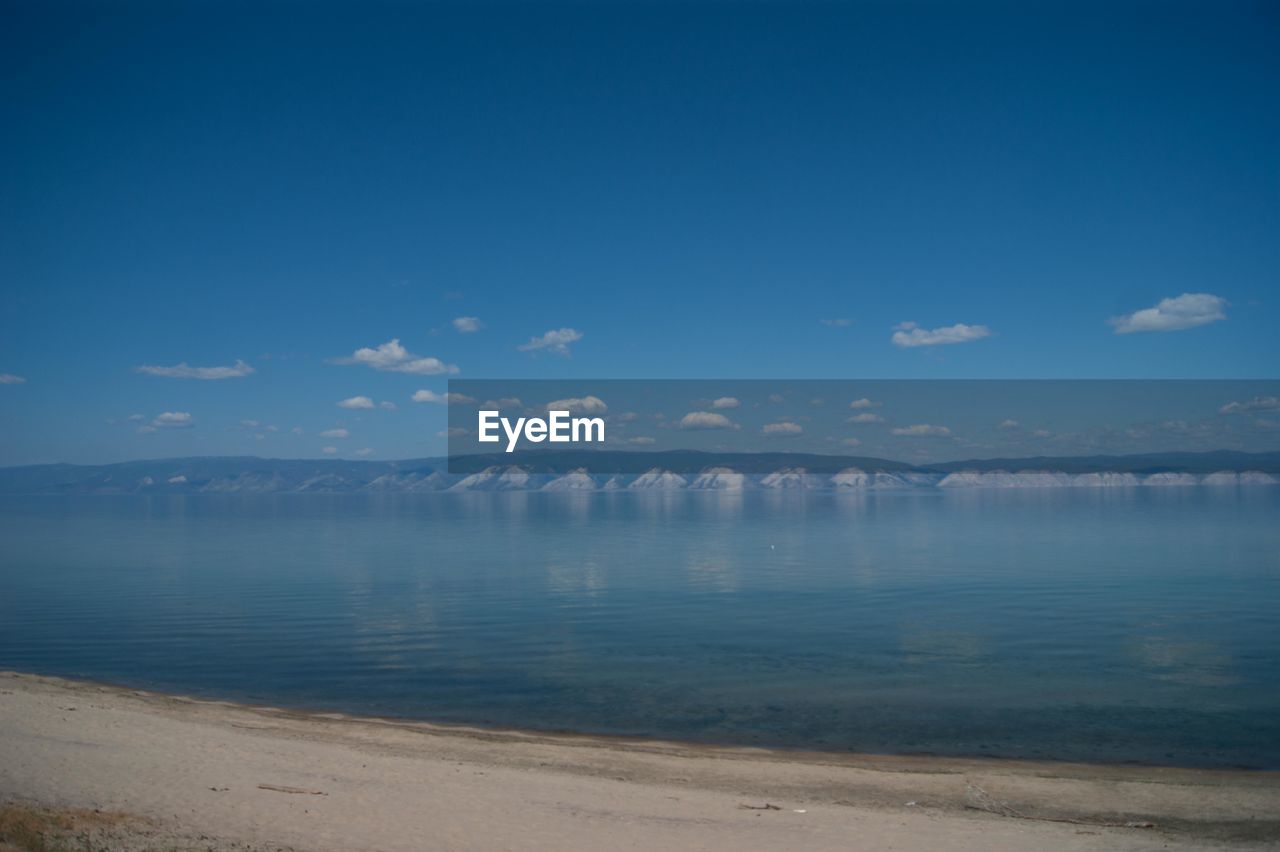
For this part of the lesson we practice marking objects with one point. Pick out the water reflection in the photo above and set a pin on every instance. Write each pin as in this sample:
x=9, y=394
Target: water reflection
x=1079, y=623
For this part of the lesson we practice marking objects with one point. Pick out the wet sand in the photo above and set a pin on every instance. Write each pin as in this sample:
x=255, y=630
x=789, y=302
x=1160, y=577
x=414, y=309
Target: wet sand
x=165, y=771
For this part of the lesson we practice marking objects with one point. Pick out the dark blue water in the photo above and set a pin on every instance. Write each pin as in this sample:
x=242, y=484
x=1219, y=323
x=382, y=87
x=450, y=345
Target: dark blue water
x=1094, y=624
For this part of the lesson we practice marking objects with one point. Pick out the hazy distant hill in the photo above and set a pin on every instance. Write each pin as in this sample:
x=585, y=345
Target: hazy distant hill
x=675, y=461
x=1210, y=462
x=615, y=470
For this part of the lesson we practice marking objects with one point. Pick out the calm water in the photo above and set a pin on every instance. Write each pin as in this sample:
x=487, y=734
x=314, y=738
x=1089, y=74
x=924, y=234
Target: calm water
x=1101, y=624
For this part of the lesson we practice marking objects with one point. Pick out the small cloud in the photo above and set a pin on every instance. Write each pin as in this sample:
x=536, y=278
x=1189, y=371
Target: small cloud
x=388, y=405
x=776, y=398
x=177, y=480
x=850, y=442
x=1186, y=311
x=251, y=424
x=335, y=433
x=923, y=430
x=784, y=429
x=1258, y=403
x=1041, y=433
x=864, y=403
x=575, y=405
x=706, y=420
x=356, y=402
x=11, y=379
x=908, y=334
x=640, y=440
x=557, y=341
x=726, y=402
x=441, y=398
x=297, y=430
x=504, y=402
x=1009, y=425
x=625, y=417
x=866, y=417
x=394, y=358
x=365, y=451
x=136, y=417
x=453, y=432
x=328, y=451
x=467, y=325
x=185, y=371
x=839, y=322
x=173, y=420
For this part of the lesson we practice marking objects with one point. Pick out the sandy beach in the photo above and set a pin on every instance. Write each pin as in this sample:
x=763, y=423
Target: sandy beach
x=140, y=770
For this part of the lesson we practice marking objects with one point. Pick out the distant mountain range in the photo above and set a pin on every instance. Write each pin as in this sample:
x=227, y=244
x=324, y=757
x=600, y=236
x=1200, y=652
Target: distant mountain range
x=612, y=470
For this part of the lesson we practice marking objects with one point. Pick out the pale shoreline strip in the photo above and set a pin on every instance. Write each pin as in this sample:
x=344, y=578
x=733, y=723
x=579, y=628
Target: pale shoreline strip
x=231, y=773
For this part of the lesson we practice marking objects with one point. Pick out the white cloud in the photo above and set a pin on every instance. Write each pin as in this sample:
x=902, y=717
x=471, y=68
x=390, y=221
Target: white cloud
x=297, y=430
x=11, y=379
x=1186, y=311
x=1258, y=403
x=1010, y=425
x=782, y=430
x=557, y=340
x=866, y=417
x=839, y=322
x=250, y=424
x=1041, y=433
x=923, y=430
x=575, y=405
x=908, y=334
x=453, y=432
x=185, y=371
x=640, y=440
x=505, y=402
x=706, y=420
x=467, y=325
x=335, y=433
x=365, y=451
x=441, y=398
x=858, y=404
x=394, y=358
x=726, y=402
x=328, y=451
x=136, y=417
x=387, y=405
x=356, y=402
x=173, y=420
x=850, y=442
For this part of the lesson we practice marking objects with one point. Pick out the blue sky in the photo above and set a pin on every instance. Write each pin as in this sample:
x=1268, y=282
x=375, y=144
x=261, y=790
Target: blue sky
x=764, y=191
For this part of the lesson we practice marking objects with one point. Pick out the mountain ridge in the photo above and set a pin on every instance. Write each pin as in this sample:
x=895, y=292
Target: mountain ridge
x=631, y=470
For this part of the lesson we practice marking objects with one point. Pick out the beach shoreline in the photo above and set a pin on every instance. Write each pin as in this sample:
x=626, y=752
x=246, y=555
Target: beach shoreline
x=223, y=774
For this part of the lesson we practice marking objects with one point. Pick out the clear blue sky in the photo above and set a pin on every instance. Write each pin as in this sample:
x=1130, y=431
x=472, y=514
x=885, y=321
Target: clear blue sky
x=695, y=191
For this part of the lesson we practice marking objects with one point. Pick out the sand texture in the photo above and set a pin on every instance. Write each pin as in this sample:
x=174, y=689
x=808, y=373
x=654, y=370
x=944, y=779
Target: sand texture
x=149, y=771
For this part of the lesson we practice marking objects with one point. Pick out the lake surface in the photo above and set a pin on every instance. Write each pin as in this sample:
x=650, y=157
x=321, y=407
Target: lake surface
x=1091, y=624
